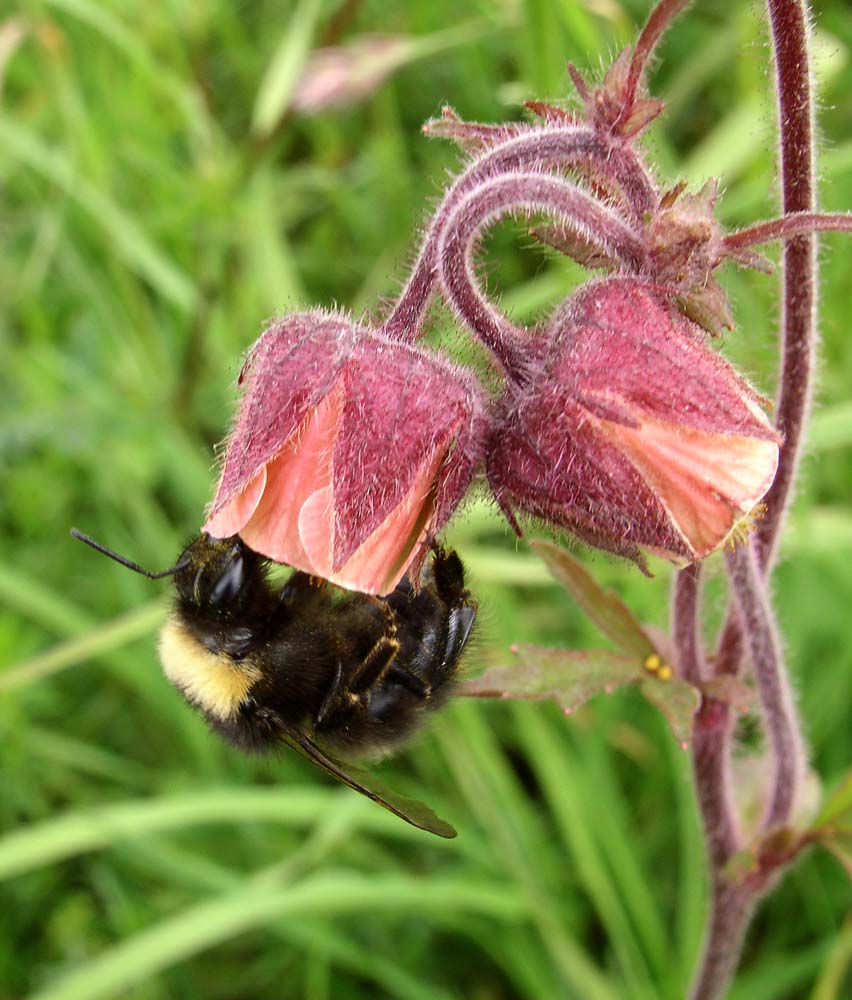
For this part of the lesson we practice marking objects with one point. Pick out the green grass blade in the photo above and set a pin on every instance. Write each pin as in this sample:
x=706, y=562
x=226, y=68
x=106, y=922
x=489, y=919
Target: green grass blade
x=58, y=839
x=122, y=233
x=103, y=639
x=212, y=922
x=282, y=73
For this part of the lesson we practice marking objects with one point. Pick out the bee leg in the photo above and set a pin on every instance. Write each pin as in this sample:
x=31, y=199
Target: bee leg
x=459, y=623
x=345, y=693
x=335, y=697
x=399, y=674
x=375, y=665
x=448, y=573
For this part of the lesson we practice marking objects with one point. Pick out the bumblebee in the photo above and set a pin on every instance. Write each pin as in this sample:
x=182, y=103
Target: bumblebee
x=308, y=666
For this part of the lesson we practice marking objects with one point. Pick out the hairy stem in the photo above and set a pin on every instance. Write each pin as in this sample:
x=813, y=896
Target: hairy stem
x=730, y=914
x=750, y=623
x=568, y=147
x=685, y=624
x=513, y=346
x=711, y=768
x=772, y=683
x=711, y=740
x=788, y=226
x=789, y=23
x=788, y=19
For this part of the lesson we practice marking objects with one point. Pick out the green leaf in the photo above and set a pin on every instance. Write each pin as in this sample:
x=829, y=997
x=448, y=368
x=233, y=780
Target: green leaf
x=124, y=236
x=837, y=808
x=677, y=700
x=604, y=608
x=833, y=825
x=80, y=648
x=37, y=845
x=831, y=428
x=571, y=678
x=841, y=848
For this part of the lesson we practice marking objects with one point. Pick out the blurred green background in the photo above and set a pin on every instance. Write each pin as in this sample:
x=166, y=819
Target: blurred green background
x=164, y=193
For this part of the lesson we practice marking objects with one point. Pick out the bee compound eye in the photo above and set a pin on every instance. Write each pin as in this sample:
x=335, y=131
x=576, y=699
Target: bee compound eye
x=230, y=582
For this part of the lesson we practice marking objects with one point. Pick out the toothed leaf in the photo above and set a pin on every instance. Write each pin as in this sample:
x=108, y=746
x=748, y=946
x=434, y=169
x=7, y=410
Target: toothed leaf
x=604, y=608
x=677, y=700
x=567, y=677
x=731, y=690
x=571, y=678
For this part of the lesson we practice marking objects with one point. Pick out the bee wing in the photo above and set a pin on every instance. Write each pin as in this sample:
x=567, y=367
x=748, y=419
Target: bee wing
x=416, y=813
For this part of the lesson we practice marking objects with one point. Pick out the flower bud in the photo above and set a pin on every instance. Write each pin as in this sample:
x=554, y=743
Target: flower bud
x=341, y=75
x=349, y=453
x=632, y=433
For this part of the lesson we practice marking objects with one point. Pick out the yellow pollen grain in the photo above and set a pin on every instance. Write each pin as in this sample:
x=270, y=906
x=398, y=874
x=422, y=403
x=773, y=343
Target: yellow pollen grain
x=653, y=663
x=665, y=672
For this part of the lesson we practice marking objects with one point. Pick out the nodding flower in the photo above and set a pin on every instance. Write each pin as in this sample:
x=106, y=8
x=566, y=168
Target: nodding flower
x=349, y=452
x=632, y=433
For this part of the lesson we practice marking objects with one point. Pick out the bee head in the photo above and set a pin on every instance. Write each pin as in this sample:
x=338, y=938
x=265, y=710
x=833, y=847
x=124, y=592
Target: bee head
x=217, y=576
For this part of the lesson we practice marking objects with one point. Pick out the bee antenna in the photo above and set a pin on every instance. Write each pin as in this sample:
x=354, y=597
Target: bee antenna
x=126, y=562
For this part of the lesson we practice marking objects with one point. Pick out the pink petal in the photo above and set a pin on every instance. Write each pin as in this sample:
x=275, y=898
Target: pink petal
x=296, y=472
x=380, y=562
x=401, y=405
x=706, y=481
x=231, y=518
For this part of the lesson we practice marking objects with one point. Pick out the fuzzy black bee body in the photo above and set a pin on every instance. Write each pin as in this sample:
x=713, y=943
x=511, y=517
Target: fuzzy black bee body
x=353, y=672
x=303, y=666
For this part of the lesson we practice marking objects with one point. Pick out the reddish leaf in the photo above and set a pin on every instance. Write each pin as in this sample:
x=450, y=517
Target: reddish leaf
x=604, y=608
x=677, y=700
x=570, y=678
x=731, y=690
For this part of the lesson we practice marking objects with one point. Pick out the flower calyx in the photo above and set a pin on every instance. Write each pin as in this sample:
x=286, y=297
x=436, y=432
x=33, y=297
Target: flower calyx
x=349, y=453
x=633, y=434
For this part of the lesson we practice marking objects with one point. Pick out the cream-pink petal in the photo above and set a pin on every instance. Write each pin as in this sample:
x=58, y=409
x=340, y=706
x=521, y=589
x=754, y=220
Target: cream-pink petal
x=296, y=472
x=316, y=531
x=706, y=481
x=380, y=562
x=231, y=518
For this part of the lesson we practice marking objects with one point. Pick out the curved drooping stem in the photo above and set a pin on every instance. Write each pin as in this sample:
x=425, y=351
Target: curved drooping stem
x=570, y=147
x=514, y=347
